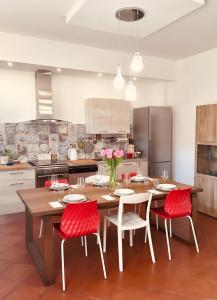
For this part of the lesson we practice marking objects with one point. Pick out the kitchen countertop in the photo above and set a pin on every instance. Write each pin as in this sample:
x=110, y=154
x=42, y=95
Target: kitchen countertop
x=125, y=160
x=16, y=167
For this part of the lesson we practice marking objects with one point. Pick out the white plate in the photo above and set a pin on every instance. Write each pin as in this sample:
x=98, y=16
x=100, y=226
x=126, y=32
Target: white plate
x=74, y=198
x=138, y=178
x=166, y=187
x=99, y=180
x=123, y=192
x=59, y=186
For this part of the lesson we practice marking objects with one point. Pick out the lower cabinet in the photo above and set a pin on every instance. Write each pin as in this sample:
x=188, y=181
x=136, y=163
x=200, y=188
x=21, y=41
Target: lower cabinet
x=10, y=182
x=125, y=167
x=207, y=200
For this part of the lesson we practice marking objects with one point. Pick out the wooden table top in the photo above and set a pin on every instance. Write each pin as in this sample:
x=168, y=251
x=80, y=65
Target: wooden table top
x=37, y=199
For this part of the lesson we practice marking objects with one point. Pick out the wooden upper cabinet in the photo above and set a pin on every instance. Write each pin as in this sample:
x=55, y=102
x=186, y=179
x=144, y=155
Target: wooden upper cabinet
x=105, y=116
x=206, y=127
x=120, y=116
x=98, y=116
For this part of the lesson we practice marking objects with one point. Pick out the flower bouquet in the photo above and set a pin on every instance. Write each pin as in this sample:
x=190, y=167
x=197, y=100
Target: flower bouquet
x=113, y=159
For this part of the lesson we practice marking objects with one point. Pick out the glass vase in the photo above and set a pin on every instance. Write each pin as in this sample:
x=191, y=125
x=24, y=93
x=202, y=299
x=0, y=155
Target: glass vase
x=113, y=179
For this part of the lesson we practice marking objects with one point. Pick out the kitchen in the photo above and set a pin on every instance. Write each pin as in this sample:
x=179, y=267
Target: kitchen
x=167, y=125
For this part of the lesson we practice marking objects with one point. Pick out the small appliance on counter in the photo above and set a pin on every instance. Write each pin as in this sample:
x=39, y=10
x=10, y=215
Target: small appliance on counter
x=72, y=153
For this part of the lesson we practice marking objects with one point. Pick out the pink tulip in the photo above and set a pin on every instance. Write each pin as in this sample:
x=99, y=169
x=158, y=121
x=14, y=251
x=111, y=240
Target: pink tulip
x=109, y=153
x=118, y=153
x=103, y=153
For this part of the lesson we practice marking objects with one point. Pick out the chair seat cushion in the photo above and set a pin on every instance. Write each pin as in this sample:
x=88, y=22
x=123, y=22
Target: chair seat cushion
x=163, y=214
x=130, y=220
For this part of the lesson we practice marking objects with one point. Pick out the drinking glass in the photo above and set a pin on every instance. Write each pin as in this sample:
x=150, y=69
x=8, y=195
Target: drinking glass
x=80, y=182
x=126, y=178
x=156, y=182
x=54, y=179
x=164, y=175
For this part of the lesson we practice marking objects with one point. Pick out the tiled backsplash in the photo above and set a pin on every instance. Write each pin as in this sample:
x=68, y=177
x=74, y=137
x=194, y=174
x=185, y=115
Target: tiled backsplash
x=29, y=139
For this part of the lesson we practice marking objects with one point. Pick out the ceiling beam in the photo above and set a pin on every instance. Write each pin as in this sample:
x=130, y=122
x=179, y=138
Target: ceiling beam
x=74, y=9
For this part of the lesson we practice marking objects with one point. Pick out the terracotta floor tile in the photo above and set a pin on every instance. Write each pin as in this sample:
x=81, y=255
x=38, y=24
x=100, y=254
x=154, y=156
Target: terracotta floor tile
x=18, y=271
x=6, y=286
x=189, y=276
x=4, y=265
x=30, y=288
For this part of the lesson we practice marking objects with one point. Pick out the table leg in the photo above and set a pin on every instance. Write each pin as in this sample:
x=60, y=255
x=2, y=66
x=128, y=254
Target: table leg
x=44, y=263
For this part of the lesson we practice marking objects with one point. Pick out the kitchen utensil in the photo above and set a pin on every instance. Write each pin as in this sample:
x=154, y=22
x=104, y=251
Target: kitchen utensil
x=137, y=154
x=88, y=147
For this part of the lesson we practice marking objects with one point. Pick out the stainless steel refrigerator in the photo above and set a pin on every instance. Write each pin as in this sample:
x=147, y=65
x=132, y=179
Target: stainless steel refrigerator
x=152, y=134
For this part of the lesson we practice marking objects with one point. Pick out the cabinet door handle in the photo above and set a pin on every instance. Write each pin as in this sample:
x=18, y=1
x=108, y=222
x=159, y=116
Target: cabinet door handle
x=17, y=183
x=15, y=173
x=103, y=131
x=127, y=164
x=122, y=131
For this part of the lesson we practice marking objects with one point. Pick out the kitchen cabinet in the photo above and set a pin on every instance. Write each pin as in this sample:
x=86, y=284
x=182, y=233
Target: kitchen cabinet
x=105, y=116
x=125, y=167
x=10, y=181
x=206, y=129
x=205, y=158
x=207, y=200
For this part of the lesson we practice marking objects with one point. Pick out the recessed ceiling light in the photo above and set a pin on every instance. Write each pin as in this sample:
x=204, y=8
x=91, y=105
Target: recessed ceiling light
x=10, y=64
x=134, y=78
x=59, y=70
x=99, y=74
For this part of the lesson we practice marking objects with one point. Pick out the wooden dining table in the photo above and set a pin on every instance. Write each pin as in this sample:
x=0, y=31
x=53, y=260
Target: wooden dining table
x=36, y=201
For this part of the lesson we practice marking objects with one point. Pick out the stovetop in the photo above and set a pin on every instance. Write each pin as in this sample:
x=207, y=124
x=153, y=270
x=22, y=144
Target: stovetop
x=37, y=163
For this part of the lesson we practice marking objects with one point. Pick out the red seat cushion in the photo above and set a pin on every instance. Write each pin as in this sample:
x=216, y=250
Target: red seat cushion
x=163, y=214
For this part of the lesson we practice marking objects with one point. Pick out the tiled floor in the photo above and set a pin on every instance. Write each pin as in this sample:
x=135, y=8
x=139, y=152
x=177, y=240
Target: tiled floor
x=189, y=276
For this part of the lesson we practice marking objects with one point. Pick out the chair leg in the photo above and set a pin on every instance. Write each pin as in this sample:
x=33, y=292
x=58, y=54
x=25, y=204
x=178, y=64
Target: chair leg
x=104, y=234
x=41, y=228
x=170, y=223
x=63, y=267
x=146, y=235
x=193, y=231
x=131, y=238
x=167, y=238
x=85, y=245
x=150, y=244
x=82, y=241
x=156, y=216
x=120, y=250
x=101, y=254
x=98, y=233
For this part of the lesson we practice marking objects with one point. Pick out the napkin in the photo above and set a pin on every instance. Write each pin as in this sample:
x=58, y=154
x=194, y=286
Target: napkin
x=154, y=192
x=108, y=197
x=55, y=204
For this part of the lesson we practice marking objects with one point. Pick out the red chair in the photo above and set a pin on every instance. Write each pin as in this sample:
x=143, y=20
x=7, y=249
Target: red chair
x=177, y=205
x=80, y=219
x=47, y=184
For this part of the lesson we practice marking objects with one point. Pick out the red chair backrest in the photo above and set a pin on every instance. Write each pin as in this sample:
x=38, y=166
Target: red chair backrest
x=178, y=203
x=48, y=182
x=130, y=175
x=80, y=219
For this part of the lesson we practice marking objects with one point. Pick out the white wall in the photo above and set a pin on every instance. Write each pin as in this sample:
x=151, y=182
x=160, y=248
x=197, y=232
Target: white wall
x=30, y=50
x=196, y=85
x=70, y=92
x=17, y=94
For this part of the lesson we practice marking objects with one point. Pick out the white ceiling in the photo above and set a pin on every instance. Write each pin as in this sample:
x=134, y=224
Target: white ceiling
x=171, y=29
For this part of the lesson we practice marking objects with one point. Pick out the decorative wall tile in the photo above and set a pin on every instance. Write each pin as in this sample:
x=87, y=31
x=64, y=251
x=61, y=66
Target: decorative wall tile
x=43, y=128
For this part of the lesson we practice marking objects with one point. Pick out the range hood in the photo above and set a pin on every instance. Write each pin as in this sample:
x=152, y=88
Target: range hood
x=44, y=100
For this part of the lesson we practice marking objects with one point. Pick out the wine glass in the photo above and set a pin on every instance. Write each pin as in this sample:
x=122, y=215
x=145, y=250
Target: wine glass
x=80, y=182
x=156, y=182
x=126, y=178
x=54, y=180
x=164, y=175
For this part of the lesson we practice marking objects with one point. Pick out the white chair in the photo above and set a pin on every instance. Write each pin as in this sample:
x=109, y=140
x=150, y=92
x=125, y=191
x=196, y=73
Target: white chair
x=129, y=221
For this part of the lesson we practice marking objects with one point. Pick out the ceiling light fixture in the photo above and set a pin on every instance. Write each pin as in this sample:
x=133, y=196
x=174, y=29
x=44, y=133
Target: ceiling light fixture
x=10, y=64
x=119, y=80
x=131, y=91
x=99, y=74
x=59, y=70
